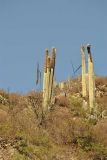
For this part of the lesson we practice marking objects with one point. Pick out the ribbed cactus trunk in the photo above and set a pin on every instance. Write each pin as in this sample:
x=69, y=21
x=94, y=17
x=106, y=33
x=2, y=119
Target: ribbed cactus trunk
x=46, y=97
x=45, y=73
x=84, y=90
x=52, y=72
x=48, y=77
x=49, y=68
x=91, y=80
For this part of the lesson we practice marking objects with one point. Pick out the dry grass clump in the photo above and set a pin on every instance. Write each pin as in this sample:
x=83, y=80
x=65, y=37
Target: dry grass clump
x=34, y=100
x=58, y=125
x=3, y=116
x=100, y=131
x=3, y=93
x=14, y=99
x=18, y=117
x=24, y=122
x=76, y=107
x=20, y=124
x=62, y=101
x=64, y=128
x=18, y=120
x=102, y=102
x=100, y=80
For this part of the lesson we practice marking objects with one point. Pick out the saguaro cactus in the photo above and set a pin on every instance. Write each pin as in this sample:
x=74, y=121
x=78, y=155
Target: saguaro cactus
x=49, y=68
x=91, y=79
x=48, y=77
x=52, y=72
x=45, y=73
x=46, y=94
x=84, y=92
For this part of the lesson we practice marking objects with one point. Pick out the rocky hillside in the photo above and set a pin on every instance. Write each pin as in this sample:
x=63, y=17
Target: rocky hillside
x=66, y=132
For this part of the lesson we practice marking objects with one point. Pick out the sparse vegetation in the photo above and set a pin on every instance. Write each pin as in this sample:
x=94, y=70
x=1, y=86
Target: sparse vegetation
x=67, y=130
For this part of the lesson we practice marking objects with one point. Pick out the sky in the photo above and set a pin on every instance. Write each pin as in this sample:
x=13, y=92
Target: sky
x=28, y=27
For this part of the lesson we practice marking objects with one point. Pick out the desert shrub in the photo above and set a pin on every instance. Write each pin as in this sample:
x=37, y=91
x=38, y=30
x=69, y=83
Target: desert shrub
x=100, y=131
x=90, y=138
x=65, y=128
x=100, y=80
x=26, y=149
x=62, y=101
x=24, y=121
x=20, y=119
x=58, y=124
x=99, y=151
x=75, y=86
x=35, y=97
x=6, y=129
x=35, y=100
x=102, y=102
x=75, y=101
x=39, y=147
x=14, y=99
x=4, y=98
x=5, y=124
x=76, y=107
x=4, y=94
x=81, y=133
x=3, y=116
x=18, y=156
x=56, y=90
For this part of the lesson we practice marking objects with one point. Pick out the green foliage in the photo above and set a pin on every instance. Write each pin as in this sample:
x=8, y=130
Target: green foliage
x=18, y=156
x=85, y=143
x=76, y=107
x=99, y=151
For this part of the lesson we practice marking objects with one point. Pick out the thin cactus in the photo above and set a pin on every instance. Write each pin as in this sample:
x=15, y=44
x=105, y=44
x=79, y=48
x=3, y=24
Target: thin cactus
x=52, y=72
x=48, y=76
x=91, y=80
x=84, y=92
x=46, y=95
x=45, y=73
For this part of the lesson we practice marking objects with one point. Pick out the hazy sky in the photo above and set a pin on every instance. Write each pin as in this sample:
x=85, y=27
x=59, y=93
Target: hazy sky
x=27, y=27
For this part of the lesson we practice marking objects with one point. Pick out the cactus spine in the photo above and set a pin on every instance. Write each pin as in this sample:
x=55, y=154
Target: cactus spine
x=83, y=72
x=91, y=80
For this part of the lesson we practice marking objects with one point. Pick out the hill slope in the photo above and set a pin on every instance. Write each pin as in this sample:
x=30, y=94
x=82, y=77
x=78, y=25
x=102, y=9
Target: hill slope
x=67, y=132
